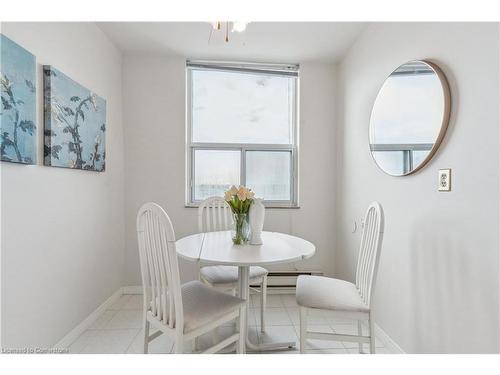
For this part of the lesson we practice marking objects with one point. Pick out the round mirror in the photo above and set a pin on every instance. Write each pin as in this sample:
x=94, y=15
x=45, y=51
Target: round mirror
x=409, y=118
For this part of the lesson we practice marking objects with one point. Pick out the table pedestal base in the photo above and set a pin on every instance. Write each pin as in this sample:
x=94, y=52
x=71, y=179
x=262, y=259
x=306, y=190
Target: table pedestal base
x=244, y=293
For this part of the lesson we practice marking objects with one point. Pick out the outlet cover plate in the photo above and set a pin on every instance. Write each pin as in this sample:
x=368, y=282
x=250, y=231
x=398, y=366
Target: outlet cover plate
x=444, y=182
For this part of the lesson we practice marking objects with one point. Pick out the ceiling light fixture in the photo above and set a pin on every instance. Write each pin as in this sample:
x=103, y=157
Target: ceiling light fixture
x=239, y=26
x=233, y=26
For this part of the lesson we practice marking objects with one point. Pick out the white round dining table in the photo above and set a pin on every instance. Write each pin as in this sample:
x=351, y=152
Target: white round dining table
x=217, y=248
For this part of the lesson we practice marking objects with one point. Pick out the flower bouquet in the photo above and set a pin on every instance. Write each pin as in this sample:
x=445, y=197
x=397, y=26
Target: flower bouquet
x=240, y=199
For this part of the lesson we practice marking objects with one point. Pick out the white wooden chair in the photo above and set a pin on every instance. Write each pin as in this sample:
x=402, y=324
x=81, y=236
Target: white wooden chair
x=342, y=298
x=214, y=214
x=186, y=311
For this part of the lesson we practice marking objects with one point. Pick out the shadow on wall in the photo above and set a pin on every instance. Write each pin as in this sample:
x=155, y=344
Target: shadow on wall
x=444, y=291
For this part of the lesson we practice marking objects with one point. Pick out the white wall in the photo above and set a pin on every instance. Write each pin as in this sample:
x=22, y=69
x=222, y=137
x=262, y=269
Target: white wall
x=437, y=289
x=62, y=229
x=154, y=117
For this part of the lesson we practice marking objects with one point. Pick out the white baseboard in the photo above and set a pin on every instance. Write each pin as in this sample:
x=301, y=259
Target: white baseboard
x=67, y=340
x=132, y=289
x=389, y=343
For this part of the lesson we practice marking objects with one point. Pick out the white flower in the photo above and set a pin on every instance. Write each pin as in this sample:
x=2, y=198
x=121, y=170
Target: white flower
x=228, y=197
x=243, y=193
x=233, y=190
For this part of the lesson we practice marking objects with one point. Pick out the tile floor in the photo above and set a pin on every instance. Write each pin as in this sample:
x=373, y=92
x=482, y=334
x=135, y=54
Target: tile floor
x=118, y=329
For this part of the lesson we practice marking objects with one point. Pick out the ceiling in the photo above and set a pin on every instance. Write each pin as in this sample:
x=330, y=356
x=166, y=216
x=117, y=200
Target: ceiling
x=287, y=42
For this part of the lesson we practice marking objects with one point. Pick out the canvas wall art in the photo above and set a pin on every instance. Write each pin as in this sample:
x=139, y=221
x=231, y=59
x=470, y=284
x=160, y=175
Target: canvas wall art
x=18, y=108
x=75, y=124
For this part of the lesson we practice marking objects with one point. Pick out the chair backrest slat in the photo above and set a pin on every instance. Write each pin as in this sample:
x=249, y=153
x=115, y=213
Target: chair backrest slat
x=214, y=214
x=219, y=216
x=159, y=265
x=369, y=251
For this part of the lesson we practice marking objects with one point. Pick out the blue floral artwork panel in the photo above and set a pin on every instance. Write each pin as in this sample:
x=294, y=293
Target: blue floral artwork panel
x=18, y=108
x=75, y=124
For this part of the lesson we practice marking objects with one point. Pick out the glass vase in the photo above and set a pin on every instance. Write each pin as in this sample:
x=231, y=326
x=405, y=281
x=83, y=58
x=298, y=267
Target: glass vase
x=241, y=229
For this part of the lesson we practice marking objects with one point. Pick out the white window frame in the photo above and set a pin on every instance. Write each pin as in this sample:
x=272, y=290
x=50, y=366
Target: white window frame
x=191, y=146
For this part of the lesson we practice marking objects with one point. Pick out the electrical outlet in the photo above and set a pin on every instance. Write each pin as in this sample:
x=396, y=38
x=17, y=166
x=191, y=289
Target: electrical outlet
x=444, y=182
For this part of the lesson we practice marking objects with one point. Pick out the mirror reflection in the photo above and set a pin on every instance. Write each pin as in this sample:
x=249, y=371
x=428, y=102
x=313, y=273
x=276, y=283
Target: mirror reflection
x=409, y=118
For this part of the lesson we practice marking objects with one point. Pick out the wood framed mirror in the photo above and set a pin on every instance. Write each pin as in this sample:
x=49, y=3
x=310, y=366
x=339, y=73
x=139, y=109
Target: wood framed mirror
x=409, y=118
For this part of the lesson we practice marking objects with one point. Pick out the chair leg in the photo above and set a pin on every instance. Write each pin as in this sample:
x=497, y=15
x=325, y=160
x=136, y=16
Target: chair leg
x=240, y=347
x=263, y=302
x=360, y=333
x=372, y=335
x=303, y=329
x=146, y=336
x=234, y=292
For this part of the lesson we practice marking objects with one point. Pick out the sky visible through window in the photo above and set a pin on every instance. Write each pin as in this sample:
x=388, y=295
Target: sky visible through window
x=230, y=107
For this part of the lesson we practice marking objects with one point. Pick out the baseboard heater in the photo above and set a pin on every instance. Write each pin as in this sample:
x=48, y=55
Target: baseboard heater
x=285, y=280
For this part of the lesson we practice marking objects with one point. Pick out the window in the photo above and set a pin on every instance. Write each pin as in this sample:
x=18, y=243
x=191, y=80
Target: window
x=241, y=129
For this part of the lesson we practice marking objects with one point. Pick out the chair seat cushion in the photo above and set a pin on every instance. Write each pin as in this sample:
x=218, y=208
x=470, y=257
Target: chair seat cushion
x=203, y=304
x=326, y=293
x=229, y=274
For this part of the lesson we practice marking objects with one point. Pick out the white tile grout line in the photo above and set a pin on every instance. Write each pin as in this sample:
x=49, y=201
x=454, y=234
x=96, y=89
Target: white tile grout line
x=131, y=342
